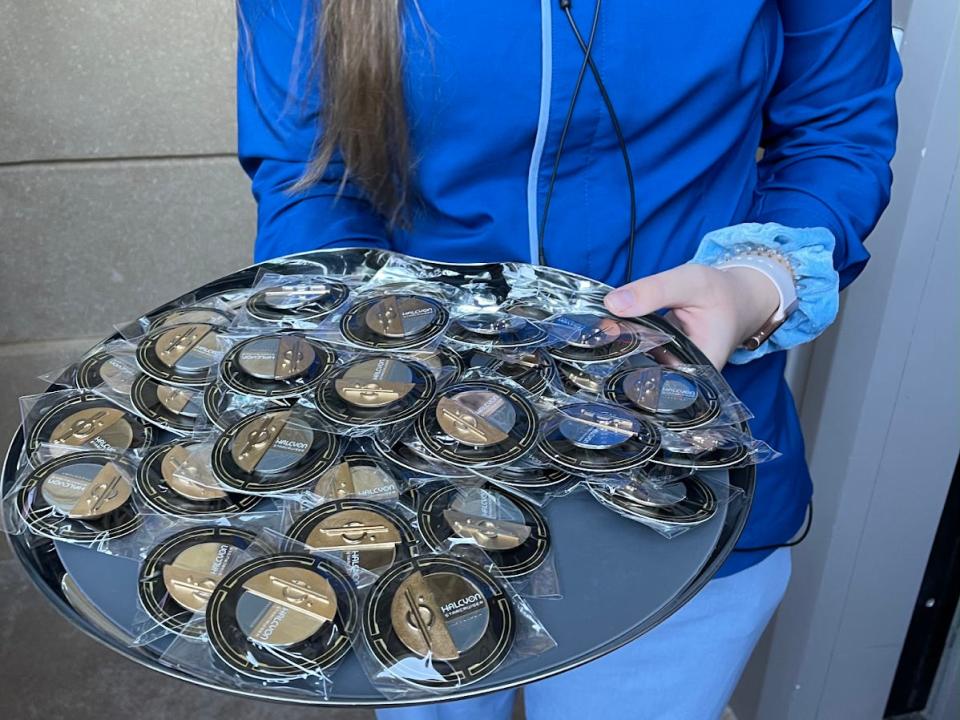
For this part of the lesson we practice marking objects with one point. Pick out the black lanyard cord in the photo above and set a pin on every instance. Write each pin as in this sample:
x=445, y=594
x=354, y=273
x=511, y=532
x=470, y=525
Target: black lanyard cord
x=587, y=48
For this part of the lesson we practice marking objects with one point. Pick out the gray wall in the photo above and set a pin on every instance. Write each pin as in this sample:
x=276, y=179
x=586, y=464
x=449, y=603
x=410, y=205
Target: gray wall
x=119, y=187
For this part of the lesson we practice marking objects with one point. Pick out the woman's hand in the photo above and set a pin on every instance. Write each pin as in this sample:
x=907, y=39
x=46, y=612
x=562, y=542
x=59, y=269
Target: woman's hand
x=717, y=309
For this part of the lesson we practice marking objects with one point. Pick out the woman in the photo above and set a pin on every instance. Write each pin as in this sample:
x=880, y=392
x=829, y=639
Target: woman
x=466, y=131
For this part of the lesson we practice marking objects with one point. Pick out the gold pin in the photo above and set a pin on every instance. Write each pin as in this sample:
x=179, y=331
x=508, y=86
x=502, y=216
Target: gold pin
x=485, y=532
x=173, y=398
x=301, y=603
x=83, y=426
x=371, y=394
x=468, y=425
x=188, y=475
x=80, y=498
x=253, y=443
x=374, y=383
x=418, y=620
x=173, y=344
x=192, y=576
x=351, y=479
x=354, y=530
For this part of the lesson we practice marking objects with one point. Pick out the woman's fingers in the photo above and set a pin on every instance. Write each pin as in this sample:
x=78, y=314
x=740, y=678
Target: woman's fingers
x=680, y=287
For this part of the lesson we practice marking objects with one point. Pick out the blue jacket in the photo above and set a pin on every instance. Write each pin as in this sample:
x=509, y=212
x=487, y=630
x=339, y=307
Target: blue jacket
x=698, y=87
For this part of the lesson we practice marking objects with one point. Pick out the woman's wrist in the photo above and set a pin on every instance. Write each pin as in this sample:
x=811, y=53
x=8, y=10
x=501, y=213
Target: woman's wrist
x=757, y=299
x=810, y=290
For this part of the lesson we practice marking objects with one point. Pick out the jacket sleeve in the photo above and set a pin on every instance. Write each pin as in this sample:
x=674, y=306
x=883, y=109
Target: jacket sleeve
x=830, y=124
x=277, y=115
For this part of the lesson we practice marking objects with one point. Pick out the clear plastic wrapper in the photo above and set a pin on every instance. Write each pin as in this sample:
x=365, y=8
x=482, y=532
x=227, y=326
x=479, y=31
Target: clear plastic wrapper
x=595, y=437
x=109, y=366
x=178, y=574
x=366, y=535
x=438, y=622
x=483, y=421
x=279, y=617
x=275, y=365
x=397, y=317
x=177, y=479
x=362, y=473
x=715, y=446
x=67, y=421
x=273, y=452
x=532, y=289
x=512, y=532
x=187, y=310
x=677, y=396
x=223, y=407
x=597, y=337
x=301, y=301
x=376, y=393
x=86, y=498
x=670, y=504
x=506, y=331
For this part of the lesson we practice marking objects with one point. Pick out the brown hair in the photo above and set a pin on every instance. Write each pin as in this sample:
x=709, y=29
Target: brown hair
x=360, y=52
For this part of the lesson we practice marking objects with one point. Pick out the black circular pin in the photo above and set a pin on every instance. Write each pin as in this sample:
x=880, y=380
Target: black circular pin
x=578, y=380
x=539, y=479
x=114, y=370
x=597, y=437
x=445, y=363
x=176, y=479
x=375, y=390
x=84, y=421
x=534, y=371
x=282, y=616
x=179, y=574
x=358, y=474
x=495, y=330
x=437, y=621
x=171, y=407
x=392, y=322
x=675, y=399
x=224, y=406
x=275, y=366
x=405, y=458
x=297, y=301
x=274, y=451
x=527, y=309
x=83, y=497
x=684, y=501
x=182, y=354
x=594, y=338
x=192, y=314
x=511, y=531
x=702, y=448
x=364, y=533
x=478, y=423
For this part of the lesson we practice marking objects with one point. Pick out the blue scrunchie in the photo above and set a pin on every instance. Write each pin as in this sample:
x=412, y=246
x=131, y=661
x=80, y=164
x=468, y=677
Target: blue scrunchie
x=810, y=251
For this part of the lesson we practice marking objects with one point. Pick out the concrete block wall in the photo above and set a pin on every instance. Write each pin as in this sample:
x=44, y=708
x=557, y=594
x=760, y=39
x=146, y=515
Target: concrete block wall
x=119, y=186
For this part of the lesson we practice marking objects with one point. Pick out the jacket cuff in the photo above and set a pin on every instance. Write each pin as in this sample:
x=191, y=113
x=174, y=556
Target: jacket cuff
x=810, y=253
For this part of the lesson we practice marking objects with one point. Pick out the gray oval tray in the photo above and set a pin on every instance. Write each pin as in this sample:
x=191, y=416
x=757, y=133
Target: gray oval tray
x=619, y=579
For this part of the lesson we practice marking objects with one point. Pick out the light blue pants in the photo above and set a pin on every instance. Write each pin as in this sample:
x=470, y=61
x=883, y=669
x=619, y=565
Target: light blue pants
x=684, y=669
